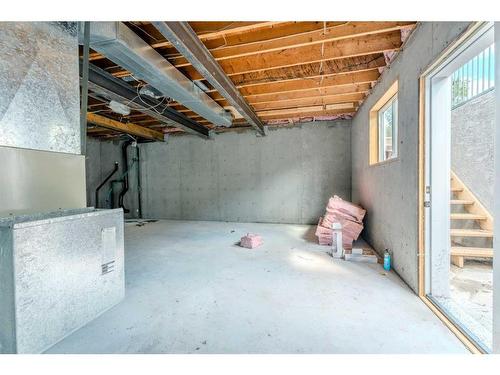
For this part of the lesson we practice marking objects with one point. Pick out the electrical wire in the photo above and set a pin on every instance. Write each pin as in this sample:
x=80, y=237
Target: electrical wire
x=138, y=96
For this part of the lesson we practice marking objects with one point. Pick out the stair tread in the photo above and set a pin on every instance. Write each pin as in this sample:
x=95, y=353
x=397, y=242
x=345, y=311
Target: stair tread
x=462, y=201
x=481, y=252
x=471, y=233
x=467, y=216
x=456, y=189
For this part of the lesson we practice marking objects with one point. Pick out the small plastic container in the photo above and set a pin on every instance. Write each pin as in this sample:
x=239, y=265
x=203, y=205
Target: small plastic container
x=387, y=260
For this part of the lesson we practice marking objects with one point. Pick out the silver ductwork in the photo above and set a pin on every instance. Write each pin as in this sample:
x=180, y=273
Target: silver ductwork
x=126, y=49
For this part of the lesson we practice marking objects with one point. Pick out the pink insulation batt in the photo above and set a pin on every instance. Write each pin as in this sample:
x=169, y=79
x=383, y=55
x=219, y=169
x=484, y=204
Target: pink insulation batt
x=349, y=215
x=251, y=241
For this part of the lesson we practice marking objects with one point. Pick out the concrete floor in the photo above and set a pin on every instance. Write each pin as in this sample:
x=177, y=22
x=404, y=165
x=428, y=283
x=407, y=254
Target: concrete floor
x=190, y=289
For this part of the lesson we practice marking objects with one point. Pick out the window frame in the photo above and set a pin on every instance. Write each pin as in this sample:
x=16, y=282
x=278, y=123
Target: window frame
x=393, y=104
x=375, y=139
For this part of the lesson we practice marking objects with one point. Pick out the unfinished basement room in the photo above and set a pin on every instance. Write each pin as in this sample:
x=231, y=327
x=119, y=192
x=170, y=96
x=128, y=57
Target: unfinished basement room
x=249, y=187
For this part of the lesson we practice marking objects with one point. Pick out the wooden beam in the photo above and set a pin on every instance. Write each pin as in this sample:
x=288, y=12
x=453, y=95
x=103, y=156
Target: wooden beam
x=314, y=70
x=263, y=32
x=215, y=29
x=220, y=32
x=312, y=84
x=352, y=47
x=338, y=32
x=312, y=101
x=320, y=91
x=127, y=128
x=316, y=108
x=299, y=114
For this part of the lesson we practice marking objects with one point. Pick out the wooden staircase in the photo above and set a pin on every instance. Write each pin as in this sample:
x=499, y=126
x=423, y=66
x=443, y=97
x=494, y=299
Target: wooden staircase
x=462, y=197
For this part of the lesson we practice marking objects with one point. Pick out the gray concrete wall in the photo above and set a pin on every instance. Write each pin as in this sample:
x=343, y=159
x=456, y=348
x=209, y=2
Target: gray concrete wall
x=389, y=191
x=285, y=177
x=473, y=146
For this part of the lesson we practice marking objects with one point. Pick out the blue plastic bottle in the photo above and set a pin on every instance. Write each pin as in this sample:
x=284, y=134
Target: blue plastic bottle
x=387, y=260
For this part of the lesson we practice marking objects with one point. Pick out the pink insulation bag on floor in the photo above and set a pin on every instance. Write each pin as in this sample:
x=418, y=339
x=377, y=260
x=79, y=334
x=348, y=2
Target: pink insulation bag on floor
x=350, y=217
x=251, y=241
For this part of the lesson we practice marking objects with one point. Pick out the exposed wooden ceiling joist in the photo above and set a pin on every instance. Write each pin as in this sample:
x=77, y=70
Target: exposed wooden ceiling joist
x=314, y=108
x=325, y=68
x=127, y=128
x=316, y=113
x=312, y=101
x=365, y=45
x=330, y=34
x=310, y=84
x=320, y=91
x=262, y=31
x=357, y=92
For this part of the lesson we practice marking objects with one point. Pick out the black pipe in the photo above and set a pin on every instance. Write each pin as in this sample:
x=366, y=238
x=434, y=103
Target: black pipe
x=124, y=190
x=104, y=182
x=139, y=187
x=112, y=195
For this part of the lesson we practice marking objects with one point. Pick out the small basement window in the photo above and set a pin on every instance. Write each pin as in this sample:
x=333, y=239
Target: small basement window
x=387, y=130
x=384, y=127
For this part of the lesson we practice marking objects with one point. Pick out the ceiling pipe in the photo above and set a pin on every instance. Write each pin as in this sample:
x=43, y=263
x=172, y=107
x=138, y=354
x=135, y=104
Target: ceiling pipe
x=125, y=48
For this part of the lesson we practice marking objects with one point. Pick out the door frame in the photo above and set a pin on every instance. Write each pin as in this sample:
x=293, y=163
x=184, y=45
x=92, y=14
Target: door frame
x=454, y=49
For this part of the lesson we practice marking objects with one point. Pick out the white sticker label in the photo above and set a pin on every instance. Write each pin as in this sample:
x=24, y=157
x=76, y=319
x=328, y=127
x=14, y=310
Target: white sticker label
x=108, y=247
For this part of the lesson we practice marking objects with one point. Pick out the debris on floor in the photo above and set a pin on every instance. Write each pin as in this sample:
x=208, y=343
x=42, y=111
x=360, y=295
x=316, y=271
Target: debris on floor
x=349, y=215
x=140, y=222
x=251, y=241
x=361, y=252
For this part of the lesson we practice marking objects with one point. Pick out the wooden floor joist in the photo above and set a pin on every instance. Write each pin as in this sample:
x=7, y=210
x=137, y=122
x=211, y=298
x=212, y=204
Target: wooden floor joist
x=314, y=108
x=265, y=31
x=360, y=46
x=312, y=84
x=127, y=128
x=312, y=101
x=235, y=29
x=330, y=34
x=309, y=71
x=310, y=93
x=300, y=113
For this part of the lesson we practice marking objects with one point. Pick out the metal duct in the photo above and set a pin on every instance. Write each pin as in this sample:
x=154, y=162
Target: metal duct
x=126, y=49
x=103, y=85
